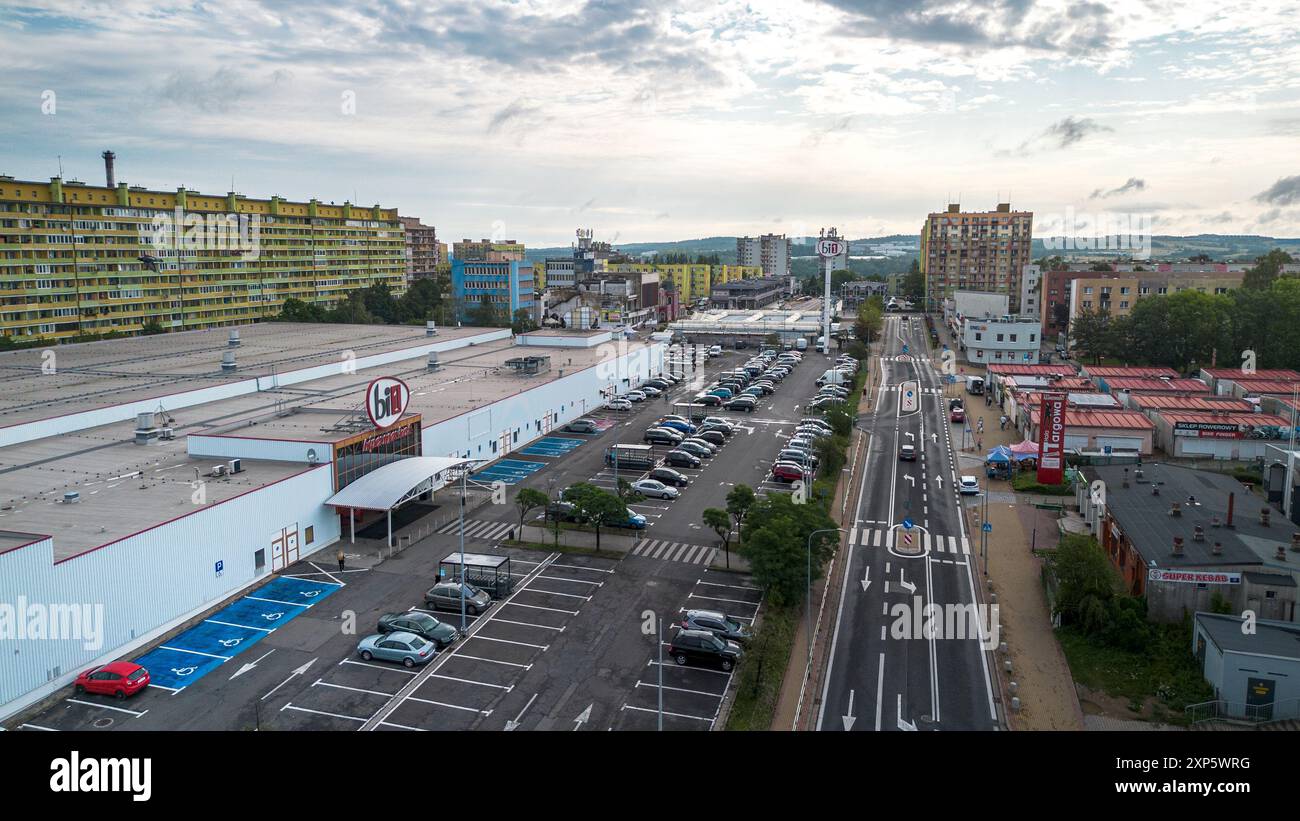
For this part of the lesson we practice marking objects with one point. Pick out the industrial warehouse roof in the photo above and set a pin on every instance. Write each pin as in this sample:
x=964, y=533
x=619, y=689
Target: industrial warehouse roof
x=1155, y=384
x=1107, y=371
x=1281, y=374
x=1075, y=418
x=1145, y=518
x=1157, y=401
x=1246, y=418
x=1275, y=387
x=41, y=383
x=1031, y=370
x=386, y=487
x=1081, y=399
x=126, y=488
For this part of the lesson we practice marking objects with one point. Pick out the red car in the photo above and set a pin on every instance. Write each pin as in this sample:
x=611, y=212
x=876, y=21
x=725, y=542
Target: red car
x=786, y=473
x=118, y=678
x=958, y=415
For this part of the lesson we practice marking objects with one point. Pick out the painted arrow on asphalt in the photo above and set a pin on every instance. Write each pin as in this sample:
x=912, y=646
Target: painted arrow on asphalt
x=904, y=583
x=249, y=666
x=866, y=579
x=939, y=478
x=904, y=725
x=910, y=435
x=300, y=671
x=909, y=477
x=850, y=718
x=513, y=725
x=582, y=718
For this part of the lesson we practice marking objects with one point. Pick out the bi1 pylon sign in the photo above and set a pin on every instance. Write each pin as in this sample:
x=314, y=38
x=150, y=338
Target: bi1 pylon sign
x=386, y=400
x=1051, y=440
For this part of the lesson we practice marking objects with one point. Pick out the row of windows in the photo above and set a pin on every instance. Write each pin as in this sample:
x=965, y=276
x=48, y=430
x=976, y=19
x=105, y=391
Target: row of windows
x=979, y=337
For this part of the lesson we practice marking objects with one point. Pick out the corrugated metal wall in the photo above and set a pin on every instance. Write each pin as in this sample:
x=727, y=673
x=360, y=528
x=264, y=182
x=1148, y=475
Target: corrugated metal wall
x=147, y=582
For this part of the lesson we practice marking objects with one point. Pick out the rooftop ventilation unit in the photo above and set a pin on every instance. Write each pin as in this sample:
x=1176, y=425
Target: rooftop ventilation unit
x=433, y=360
x=234, y=339
x=228, y=363
x=71, y=497
x=430, y=328
x=235, y=466
x=218, y=470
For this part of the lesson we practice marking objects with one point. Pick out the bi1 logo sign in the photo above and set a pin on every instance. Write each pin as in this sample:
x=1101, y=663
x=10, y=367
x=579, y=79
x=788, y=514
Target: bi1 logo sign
x=386, y=400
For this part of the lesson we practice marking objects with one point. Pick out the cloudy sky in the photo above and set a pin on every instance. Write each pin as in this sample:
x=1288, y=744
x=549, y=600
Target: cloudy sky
x=656, y=120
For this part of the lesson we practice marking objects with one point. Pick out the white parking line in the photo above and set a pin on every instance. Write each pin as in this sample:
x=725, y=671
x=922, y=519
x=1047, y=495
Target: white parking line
x=37, y=727
x=449, y=706
x=402, y=670
x=681, y=689
x=732, y=586
x=674, y=715
x=353, y=689
x=654, y=663
x=492, y=661
x=245, y=626
x=720, y=598
x=539, y=607
x=526, y=624
x=193, y=652
x=277, y=601
x=506, y=687
x=505, y=641
x=555, y=593
x=320, y=713
x=402, y=727
x=575, y=581
x=577, y=567
x=436, y=612
x=106, y=707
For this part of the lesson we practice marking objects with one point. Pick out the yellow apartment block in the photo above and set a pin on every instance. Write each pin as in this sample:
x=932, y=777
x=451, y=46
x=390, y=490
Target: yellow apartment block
x=70, y=257
x=692, y=281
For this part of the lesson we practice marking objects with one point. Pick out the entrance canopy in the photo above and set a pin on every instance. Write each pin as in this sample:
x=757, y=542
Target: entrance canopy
x=397, y=482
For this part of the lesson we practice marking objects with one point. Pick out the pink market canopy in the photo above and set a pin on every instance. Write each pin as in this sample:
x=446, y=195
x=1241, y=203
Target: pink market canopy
x=1025, y=448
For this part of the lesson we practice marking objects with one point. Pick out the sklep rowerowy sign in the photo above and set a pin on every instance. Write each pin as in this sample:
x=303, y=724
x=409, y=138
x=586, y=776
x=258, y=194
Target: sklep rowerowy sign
x=1051, y=441
x=386, y=401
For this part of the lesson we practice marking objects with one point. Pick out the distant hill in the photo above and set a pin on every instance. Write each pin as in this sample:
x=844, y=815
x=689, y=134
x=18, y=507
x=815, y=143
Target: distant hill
x=1219, y=247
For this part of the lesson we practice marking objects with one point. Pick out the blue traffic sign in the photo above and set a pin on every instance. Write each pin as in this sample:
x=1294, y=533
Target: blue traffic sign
x=907, y=524
x=988, y=527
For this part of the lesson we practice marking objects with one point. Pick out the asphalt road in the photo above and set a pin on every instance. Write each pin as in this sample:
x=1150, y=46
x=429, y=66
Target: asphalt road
x=887, y=671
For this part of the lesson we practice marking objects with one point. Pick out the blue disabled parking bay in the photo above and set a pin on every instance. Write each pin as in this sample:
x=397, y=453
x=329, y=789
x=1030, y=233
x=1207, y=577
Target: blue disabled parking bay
x=508, y=471
x=552, y=446
x=185, y=658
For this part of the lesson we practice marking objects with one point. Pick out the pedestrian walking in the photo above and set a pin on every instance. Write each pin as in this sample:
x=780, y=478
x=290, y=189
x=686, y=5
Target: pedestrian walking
x=1002, y=422
x=341, y=559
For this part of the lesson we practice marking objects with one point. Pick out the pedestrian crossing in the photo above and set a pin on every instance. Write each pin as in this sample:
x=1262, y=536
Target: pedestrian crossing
x=928, y=391
x=480, y=529
x=873, y=537
x=674, y=551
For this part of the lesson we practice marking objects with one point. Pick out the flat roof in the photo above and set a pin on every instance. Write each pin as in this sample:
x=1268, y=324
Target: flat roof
x=1202, y=495
x=1154, y=384
x=126, y=488
x=1209, y=404
x=1270, y=638
x=1241, y=418
x=89, y=375
x=1119, y=419
x=476, y=559
x=1129, y=370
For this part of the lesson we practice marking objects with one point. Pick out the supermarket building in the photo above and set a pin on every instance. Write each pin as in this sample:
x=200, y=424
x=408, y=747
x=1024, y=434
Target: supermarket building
x=156, y=476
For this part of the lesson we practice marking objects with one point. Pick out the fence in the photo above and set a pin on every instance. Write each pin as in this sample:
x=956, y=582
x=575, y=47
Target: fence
x=1240, y=711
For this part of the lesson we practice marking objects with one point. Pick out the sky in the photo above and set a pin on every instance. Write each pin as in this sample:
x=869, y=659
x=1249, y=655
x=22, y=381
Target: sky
x=657, y=120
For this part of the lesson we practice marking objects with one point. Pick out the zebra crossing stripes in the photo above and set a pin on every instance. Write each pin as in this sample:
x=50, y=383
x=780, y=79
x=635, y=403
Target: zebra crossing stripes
x=674, y=551
x=873, y=537
x=927, y=391
x=479, y=529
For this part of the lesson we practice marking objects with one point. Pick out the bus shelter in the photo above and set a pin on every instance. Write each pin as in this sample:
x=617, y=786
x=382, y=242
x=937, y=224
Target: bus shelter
x=490, y=573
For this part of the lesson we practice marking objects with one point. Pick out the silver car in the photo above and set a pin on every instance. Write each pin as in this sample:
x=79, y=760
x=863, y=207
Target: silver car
x=402, y=647
x=447, y=596
x=655, y=489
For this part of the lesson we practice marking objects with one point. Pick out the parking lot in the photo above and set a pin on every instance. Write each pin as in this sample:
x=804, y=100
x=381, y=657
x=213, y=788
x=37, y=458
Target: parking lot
x=566, y=648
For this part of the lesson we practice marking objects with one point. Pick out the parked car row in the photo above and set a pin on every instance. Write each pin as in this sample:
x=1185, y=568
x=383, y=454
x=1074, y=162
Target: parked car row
x=414, y=638
x=649, y=389
x=690, y=443
x=797, y=459
x=741, y=388
x=834, y=386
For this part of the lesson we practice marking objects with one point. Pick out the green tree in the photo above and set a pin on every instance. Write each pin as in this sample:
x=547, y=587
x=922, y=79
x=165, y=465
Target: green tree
x=839, y=276
x=522, y=322
x=595, y=507
x=716, y=519
x=296, y=310
x=871, y=315
x=1086, y=583
x=529, y=499
x=1266, y=269
x=1088, y=334
x=486, y=314
x=379, y=302
x=740, y=500
x=420, y=302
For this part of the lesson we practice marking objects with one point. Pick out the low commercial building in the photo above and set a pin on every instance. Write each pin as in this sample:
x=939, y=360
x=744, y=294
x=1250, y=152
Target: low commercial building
x=1092, y=430
x=1179, y=536
x=728, y=328
x=1004, y=339
x=1128, y=372
x=1220, y=379
x=747, y=294
x=1229, y=435
x=1151, y=403
x=1254, y=388
x=854, y=294
x=155, y=476
x=1254, y=669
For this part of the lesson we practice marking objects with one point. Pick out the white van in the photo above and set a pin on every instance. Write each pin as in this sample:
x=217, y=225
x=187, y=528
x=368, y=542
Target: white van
x=834, y=377
x=662, y=336
x=801, y=344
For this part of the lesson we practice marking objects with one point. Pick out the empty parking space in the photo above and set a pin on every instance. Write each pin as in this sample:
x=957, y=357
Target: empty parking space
x=508, y=471
x=552, y=446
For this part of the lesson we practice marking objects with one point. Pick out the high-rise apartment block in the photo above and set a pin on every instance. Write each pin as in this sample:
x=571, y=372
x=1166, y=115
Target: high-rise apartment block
x=770, y=252
x=975, y=251
x=421, y=249
x=78, y=259
x=488, y=250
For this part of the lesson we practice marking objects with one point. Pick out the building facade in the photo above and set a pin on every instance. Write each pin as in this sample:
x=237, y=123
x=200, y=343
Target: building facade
x=506, y=285
x=71, y=257
x=488, y=250
x=975, y=251
x=770, y=252
x=1001, y=339
x=422, y=244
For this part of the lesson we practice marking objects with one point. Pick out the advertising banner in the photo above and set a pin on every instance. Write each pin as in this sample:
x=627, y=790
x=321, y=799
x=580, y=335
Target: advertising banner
x=1051, y=440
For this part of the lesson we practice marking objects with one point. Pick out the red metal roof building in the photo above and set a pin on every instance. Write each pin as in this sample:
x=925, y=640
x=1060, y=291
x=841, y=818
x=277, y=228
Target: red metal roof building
x=1031, y=370
x=1230, y=435
x=1201, y=403
x=1152, y=385
x=1120, y=430
x=1129, y=371
x=1263, y=387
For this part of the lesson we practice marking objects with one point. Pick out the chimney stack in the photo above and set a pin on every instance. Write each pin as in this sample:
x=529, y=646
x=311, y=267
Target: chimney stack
x=1198, y=533
x=1232, y=501
x=109, y=156
x=1217, y=549
x=1178, y=546
x=1176, y=509
x=1263, y=516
